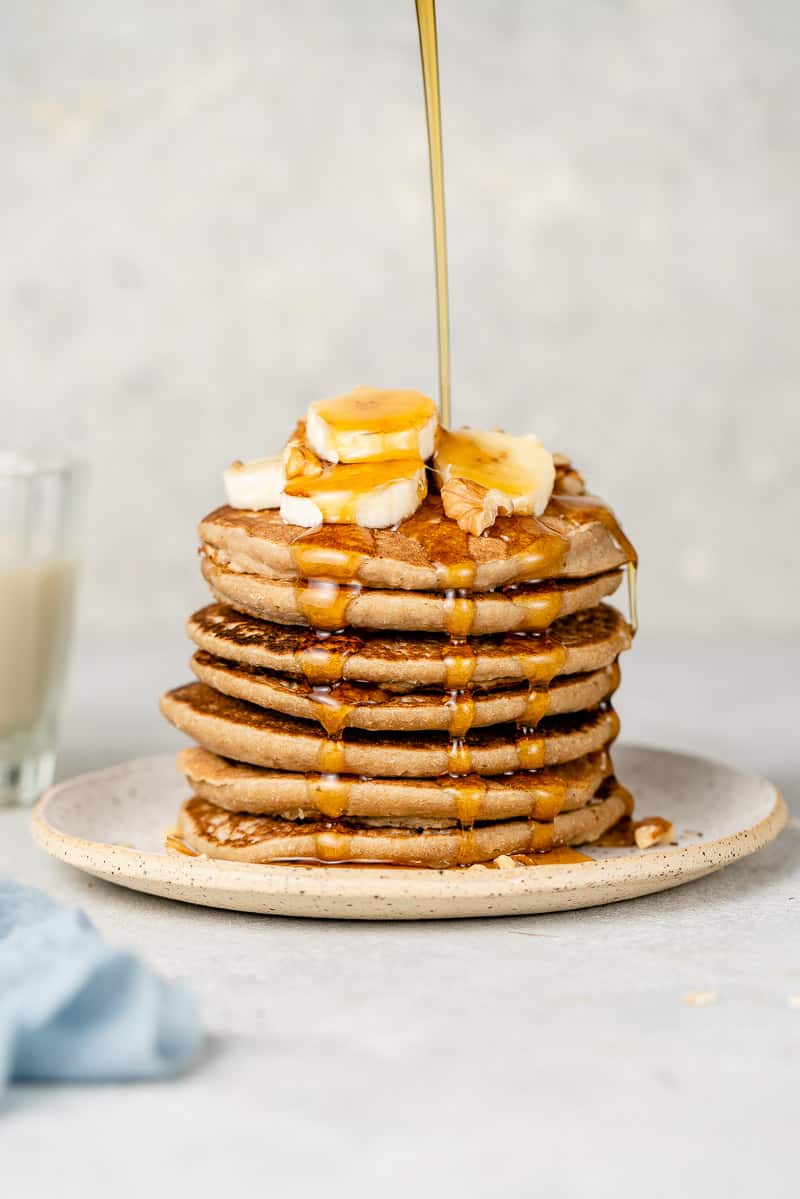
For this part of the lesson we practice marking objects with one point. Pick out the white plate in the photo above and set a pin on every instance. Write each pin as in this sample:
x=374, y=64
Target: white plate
x=112, y=824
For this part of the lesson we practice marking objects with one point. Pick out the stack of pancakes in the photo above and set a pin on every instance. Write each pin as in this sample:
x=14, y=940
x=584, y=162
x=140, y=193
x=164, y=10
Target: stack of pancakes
x=415, y=695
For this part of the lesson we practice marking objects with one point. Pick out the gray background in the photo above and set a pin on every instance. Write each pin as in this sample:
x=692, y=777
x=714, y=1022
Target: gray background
x=214, y=213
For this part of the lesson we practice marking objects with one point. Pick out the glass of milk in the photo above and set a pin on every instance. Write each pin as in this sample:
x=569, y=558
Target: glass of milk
x=40, y=509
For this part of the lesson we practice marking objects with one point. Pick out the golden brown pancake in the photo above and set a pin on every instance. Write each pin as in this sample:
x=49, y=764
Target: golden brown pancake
x=576, y=537
x=246, y=733
x=219, y=833
x=530, y=606
x=363, y=706
x=534, y=794
x=579, y=643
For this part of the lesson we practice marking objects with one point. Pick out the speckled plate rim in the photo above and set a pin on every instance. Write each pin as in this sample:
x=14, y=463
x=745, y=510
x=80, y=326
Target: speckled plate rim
x=401, y=893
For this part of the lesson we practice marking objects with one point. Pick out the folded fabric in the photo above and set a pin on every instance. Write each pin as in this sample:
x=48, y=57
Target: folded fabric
x=73, y=1008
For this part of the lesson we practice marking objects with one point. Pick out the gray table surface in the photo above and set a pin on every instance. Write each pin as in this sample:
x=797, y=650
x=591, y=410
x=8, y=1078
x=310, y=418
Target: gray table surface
x=550, y=1054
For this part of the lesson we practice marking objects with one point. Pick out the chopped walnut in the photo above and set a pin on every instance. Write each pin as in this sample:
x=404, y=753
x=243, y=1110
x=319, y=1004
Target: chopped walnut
x=174, y=844
x=472, y=506
x=653, y=832
x=505, y=862
x=569, y=481
x=298, y=457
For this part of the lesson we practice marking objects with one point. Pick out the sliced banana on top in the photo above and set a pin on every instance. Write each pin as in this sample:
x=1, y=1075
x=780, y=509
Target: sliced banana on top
x=374, y=495
x=255, y=485
x=370, y=425
x=359, y=459
x=484, y=473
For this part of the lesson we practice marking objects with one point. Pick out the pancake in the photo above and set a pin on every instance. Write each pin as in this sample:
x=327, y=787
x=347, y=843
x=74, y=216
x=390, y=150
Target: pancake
x=579, y=643
x=235, y=729
x=535, y=794
x=362, y=706
x=237, y=837
x=329, y=606
x=577, y=536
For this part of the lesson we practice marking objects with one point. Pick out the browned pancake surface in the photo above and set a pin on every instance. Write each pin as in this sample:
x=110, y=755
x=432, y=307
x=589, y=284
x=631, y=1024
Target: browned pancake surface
x=246, y=733
x=577, y=536
x=584, y=641
x=537, y=794
x=529, y=606
x=363, y=706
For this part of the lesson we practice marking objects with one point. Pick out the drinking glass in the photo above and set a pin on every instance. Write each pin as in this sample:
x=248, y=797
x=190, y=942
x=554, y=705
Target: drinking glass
x=40, y=509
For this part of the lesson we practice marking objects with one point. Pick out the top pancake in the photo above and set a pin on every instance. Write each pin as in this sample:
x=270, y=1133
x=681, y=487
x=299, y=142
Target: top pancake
x=577, y=536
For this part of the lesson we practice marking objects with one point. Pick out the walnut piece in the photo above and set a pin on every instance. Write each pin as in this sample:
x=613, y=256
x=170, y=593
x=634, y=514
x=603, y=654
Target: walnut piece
x=174, y=844
x=472, y=506
x=569, y=481
x=505, y=862
x=298, y=457
x=652, y=831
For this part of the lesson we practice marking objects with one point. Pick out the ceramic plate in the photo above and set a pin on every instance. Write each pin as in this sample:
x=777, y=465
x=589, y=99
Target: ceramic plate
x=112, y=824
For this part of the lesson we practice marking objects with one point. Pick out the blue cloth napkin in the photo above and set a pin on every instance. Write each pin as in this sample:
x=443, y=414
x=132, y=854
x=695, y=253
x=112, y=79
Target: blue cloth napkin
x=73, y=1008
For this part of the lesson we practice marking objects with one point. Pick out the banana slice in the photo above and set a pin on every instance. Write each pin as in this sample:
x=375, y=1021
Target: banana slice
x=483, y=473
x=255, y=485
x=374, y=495
x=368, y=425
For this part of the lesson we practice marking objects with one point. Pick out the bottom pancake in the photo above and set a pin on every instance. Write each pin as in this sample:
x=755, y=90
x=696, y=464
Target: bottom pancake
x=218, y=833
x=534, y=794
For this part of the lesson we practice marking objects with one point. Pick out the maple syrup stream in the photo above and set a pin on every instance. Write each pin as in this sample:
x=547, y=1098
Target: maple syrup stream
x=327, y=560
